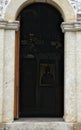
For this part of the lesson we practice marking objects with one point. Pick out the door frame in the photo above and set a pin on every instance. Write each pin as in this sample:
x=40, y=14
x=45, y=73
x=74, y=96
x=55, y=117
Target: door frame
x=16, y=88
x=17, y=72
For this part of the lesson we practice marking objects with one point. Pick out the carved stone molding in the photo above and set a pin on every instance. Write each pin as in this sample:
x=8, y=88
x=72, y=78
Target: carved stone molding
x=9, y=25
x=75, y=26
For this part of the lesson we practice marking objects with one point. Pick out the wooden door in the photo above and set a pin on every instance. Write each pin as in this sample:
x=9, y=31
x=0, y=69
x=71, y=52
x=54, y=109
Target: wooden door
x=41, y=86
x=39, y=44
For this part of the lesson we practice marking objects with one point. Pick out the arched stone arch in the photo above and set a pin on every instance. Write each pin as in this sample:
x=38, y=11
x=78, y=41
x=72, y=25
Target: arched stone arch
x=63, y=6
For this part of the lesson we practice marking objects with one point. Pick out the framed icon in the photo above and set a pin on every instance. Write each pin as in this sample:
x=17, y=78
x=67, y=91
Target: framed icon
x=47, y=74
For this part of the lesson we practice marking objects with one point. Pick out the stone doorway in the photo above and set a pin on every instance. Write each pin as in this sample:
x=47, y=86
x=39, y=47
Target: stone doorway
x=72, y=74
x=41, y=50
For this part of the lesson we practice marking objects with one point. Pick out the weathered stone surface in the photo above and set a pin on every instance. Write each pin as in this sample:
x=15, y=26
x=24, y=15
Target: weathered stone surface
x=7, y=50
x=40, y=125
x=1, y=70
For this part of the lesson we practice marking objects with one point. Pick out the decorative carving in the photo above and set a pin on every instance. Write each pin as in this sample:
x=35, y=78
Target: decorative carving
x=74, y=4
x=0, y=11
x=3, y=5
x=79, y=6
x=5, y=2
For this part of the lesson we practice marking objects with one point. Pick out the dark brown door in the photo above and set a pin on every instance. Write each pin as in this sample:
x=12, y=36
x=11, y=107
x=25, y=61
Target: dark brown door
x=41, y=62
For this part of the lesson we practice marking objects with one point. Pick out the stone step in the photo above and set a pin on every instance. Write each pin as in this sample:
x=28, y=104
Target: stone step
x=39, y=125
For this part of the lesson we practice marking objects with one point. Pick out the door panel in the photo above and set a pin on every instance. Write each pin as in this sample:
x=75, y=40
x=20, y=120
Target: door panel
x=41, y=47
x=38, y=99
x=28, y=91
